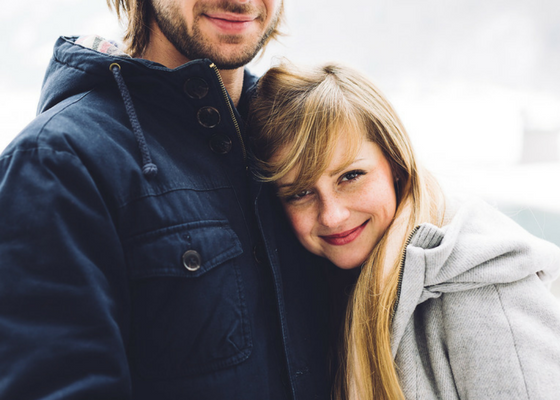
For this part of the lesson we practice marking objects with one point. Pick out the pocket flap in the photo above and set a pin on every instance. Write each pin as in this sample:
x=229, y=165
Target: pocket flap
x=160, y=252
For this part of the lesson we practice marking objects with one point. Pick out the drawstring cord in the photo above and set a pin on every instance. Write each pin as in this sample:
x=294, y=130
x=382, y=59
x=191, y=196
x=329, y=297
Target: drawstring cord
x=149, y=169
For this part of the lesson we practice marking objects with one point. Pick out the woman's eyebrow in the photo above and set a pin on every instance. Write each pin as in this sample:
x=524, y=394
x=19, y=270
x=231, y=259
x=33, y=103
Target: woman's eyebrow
x=335, y=172
x=284, y=185
x=345, y=166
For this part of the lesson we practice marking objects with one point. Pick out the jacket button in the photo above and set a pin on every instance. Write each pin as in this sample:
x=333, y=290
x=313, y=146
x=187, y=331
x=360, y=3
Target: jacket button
x=191, y=260
x=257, y=255
x=196, y=88
x=220, y=143
x=208, y=117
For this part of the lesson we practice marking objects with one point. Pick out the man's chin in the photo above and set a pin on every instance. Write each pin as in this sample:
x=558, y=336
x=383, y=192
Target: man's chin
x=232, y=60
x=231, y=64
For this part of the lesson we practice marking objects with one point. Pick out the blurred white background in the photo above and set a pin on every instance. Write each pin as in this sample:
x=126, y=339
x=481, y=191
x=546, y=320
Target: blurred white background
x=476, y=82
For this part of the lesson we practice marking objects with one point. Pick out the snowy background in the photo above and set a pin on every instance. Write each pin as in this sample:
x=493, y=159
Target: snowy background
x=476, y=82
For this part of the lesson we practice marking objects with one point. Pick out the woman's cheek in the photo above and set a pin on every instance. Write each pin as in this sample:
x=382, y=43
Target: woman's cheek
x=302, y=224
x=296, y=218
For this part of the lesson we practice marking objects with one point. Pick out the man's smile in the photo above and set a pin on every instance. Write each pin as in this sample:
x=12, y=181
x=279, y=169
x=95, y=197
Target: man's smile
x=231, y=22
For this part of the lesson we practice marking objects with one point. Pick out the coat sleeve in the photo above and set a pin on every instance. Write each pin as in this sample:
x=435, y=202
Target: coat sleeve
x=62, y=283
x=506, y=343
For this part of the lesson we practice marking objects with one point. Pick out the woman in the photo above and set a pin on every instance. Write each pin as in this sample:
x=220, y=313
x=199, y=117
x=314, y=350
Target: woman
x=451, y=301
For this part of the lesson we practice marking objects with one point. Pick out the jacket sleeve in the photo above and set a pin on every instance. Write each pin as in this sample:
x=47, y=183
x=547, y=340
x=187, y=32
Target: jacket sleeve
x=62, y=283
x=506, y=343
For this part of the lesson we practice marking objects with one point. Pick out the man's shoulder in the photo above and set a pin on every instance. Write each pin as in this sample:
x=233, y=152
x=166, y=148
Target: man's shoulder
x=71, y=124
x=249, y=79
x=87, y=137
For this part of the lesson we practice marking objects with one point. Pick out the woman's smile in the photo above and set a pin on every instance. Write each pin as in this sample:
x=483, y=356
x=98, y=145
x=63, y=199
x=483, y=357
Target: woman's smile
x=342, y=238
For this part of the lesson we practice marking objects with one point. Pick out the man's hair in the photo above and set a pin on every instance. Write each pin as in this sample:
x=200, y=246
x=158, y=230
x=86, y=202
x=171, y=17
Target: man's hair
x=137, y=15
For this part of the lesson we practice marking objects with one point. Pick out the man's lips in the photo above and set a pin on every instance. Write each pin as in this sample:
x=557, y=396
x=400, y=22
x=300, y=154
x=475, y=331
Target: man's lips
x=231, y=17
x=232, y=23
x=342, y=238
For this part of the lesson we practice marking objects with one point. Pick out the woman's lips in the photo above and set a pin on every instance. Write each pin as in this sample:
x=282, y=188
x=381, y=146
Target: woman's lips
x=345, y=237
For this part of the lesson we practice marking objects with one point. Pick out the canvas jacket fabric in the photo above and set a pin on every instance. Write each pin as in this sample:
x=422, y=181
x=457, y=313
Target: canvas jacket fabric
x=96, y=301
x=475, y=319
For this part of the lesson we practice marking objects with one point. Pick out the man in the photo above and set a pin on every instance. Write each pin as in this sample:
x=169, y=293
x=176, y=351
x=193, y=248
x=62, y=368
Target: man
x=133, y=263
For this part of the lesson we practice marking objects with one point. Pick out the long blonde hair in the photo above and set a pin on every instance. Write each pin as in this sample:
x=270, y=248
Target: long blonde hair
x=304, y=112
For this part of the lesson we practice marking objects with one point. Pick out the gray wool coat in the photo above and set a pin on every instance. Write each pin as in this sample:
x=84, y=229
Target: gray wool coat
x=475, y=318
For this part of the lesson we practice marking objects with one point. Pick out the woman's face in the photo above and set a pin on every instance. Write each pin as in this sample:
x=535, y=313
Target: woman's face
x=346, y=212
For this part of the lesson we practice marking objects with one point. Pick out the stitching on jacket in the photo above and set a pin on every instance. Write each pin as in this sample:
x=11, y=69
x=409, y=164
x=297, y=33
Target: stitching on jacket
x=48, y=121
x=248, y=344
x=74, y=67
x=38, y=149
x=128, y=202
x=278, y=287
x=110, y=58
x=43, y=126
x=418, y=360
x=514, y=342
x=417, y=378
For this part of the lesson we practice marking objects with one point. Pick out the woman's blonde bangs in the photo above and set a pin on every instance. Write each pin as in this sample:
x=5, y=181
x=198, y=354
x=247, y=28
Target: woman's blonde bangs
x=311, y=125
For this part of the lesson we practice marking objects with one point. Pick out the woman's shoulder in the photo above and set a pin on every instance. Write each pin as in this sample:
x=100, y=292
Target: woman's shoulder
x=480, y=245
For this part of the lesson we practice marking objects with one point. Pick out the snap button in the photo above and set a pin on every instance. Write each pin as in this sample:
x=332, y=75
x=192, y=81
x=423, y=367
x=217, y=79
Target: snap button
x=220, y=143
x=196, y=88
x=208, y=117
x=257, y=254
x=191, y=260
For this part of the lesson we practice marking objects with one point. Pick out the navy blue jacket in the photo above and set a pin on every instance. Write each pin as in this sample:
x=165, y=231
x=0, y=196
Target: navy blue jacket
x=118, y=281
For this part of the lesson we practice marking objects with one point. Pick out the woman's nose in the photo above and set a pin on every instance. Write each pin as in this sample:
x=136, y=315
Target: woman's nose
x=332, y=212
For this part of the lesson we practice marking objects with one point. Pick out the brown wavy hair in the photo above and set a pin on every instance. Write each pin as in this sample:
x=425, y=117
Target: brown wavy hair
x=303, y=113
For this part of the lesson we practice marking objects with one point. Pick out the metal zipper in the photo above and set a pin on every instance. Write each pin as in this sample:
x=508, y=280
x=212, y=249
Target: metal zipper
x=401, y=269
x=231, y=113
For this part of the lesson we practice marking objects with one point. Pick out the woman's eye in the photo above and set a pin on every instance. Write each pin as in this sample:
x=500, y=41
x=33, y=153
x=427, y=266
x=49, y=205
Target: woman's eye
x=350, y=176
x=299, y=196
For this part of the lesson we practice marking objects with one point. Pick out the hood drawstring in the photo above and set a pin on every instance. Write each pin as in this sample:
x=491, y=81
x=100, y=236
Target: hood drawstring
x=149, y=169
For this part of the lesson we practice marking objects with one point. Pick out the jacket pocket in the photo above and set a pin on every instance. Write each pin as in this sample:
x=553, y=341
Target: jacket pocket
x=188, y=310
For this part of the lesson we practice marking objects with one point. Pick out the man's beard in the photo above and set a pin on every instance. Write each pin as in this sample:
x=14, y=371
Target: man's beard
x=194, y=45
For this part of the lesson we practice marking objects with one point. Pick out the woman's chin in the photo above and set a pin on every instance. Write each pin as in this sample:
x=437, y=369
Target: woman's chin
x=348, y=264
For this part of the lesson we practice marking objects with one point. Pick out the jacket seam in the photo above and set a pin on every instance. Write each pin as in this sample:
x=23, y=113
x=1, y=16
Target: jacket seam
x=109, y=58
x=127, y=202
x=43, y=126
x=48, y=121
x=514, y=341
x=417, y=377
x=278, y=287
x=38, y=149
x=73, y=67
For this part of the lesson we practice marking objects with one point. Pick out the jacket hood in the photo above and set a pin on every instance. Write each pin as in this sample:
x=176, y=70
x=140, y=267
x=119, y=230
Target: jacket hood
x=478, y=247
x=76, y=69
x=80, y=64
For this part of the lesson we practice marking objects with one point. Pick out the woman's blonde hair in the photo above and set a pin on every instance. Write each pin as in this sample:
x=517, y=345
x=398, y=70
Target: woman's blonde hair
x=303, y=113
x=137, y=15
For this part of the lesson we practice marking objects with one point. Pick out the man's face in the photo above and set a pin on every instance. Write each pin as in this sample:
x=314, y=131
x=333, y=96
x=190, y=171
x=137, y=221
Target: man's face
x=229, y=32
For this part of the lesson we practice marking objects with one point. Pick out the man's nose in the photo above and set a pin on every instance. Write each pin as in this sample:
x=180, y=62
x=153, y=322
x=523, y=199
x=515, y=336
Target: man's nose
x=333, y=212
